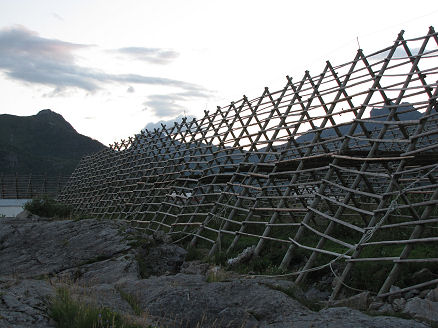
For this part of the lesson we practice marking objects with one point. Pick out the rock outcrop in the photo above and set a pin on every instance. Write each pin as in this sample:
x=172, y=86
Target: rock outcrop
x=99, y=262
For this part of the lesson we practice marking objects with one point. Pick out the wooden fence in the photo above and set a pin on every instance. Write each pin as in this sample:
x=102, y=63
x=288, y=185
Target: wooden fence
x=337, y=170
x=28, y=186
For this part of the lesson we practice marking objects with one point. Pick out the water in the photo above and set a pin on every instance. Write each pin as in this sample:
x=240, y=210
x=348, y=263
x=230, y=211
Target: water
x=11, y=207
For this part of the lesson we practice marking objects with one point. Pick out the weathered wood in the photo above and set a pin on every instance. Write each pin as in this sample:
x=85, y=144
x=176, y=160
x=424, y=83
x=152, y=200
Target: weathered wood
x=307, y=160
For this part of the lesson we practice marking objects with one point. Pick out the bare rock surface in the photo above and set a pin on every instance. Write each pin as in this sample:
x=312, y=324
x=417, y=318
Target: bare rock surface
x=107, y=271
x=359, y=302
x=345, y=317
x=98, y=260
x=23, y=303
x=422, y=309
x=29, y=249
x=194, y=267
x=162, y=259
x=185, y=300
x=432, y=295
x=33, y=249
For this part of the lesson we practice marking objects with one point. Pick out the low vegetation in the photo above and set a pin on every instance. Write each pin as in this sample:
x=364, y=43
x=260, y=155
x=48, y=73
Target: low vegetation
x=48, y=207
x=272, y=254
x=131, y=300
x=70, y=313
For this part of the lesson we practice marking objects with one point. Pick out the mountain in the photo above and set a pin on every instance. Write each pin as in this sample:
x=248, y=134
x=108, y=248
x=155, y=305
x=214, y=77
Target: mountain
x=405, y=112
x=44, y=143
x=166, y=148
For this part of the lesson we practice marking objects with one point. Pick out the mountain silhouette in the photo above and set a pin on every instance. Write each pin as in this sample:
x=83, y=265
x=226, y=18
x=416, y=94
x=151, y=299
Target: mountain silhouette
x=44, y=143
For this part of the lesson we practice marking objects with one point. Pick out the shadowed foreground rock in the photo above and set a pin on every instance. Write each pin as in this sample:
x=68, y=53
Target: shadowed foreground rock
x=41, y=247
x=96, y=259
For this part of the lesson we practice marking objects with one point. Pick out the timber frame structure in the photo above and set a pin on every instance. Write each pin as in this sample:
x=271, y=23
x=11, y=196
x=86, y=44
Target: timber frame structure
x=337, y=167
x=28, y=186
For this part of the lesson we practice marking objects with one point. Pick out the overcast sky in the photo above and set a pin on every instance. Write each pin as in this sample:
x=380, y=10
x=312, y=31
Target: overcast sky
x=113, y=67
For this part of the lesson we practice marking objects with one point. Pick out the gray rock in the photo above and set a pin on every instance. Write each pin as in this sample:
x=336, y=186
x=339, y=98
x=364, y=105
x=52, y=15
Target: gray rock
x=396, y=294
x=194, y=267
x=422, y=309
x=398, y=304
x=161, y=237
x=243, y=318
x=244, y=256
x=347, y=318
x=24, y=303
x=411, y=293
x=25, y=214
x=375, y=306
x=38, y=248
x=385, y=309
x=286, y=286
x=105, y=295
x=103, y=272
x=424, y=293
x=394, y=288
x=189, y=299
x=163, y=259
x=359, y=302
x=218, y=273
x=315, y=294
x=432, y=295
x=94, y=258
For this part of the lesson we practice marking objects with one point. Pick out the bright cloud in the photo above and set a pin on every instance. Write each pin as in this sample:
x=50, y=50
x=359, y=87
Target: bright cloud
x=166, y=105
x=150, y=55
x=28, y=57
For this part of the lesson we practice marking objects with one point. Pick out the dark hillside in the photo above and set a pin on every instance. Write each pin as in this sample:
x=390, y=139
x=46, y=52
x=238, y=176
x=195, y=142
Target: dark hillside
x=44, y=143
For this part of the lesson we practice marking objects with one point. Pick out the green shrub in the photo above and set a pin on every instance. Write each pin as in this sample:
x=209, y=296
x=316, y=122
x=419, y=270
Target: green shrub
x=47, y=207
x=196, y=253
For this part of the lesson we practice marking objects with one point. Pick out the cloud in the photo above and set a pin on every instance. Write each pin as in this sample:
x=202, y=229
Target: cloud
x=169, y=123
x=163, y=105
x=130, y=89
x=58, y=17
x=170, y=104
x=150, y=55
x=27, y=57
x=141, y=79
x=399, y=53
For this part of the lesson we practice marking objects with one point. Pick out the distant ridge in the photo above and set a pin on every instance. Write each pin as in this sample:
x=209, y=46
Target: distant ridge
x=44, y=143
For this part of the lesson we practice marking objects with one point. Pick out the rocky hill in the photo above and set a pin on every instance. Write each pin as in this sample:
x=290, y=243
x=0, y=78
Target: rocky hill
x=147, y=280
x=44, y=143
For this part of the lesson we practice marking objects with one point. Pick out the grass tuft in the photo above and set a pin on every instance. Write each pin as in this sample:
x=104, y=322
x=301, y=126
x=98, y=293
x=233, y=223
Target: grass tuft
x=70, y=313
x=131, y=300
